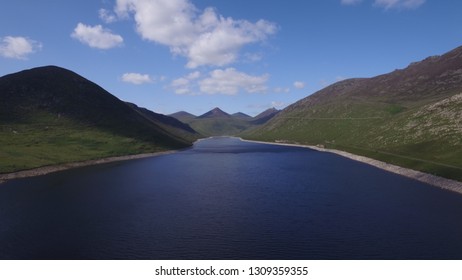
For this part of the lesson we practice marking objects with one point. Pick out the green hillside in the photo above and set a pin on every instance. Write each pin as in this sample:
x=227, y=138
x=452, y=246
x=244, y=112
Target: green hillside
x=50, y=115
x=410, y=117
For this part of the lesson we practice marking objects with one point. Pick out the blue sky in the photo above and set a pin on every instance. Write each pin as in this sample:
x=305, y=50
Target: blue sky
x=240, y=55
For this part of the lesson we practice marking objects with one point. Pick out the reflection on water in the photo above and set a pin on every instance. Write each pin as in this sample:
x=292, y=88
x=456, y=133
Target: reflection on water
x=228, y=199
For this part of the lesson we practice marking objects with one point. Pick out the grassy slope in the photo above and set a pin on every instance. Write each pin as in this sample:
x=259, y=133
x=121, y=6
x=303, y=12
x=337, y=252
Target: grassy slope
x=50, y=115
x=410, y=117
x=219, y=126
x=47, y=140
x=422, y=137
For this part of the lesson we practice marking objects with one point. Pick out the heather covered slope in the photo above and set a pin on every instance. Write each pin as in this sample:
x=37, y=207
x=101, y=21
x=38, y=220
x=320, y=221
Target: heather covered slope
x=409, y=117
x=50, y=115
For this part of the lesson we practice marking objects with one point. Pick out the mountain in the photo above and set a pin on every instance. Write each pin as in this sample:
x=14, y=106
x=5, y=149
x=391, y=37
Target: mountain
x=51, y=115
x=217, y=122
x=265, y=116
x=240, y=115
x=215, y=113
x=410, y=117
x=183, y=116
x=167, y=122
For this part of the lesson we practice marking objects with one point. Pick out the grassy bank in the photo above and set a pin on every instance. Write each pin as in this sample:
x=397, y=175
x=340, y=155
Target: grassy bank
x=383, y=139
x=51, y=141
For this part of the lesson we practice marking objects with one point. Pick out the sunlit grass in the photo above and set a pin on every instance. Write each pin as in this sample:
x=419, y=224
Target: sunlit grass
x=47, y=141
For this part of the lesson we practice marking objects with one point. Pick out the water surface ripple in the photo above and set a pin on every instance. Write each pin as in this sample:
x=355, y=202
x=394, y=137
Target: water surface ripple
x=227, y=199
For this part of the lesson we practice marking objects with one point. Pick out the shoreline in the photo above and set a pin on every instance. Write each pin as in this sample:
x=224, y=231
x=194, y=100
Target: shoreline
x=436, y=181
x=71, y=165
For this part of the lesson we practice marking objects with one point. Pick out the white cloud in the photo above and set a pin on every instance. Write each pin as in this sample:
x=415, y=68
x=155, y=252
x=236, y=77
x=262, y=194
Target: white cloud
x=204, y=38
x=408, y=4
x=185, y=84
x=253, y=57
x=182, y=86
x=399, y=4
x=193, y=76
x=107, y=16
x=390, y=4
x=227, y=82
x=230, y=82
x=136, y=78
x=299, y=84
x=281, y=90
x=350, y=2
x=96, y=36
x=18, y=47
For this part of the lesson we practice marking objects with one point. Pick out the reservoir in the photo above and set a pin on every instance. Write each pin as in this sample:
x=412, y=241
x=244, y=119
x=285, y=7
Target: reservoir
x=228, y=199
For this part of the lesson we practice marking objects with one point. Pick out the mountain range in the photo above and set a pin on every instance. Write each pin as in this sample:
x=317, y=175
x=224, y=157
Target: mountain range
x=51, y=115
x=217, y=122
x=410, y=117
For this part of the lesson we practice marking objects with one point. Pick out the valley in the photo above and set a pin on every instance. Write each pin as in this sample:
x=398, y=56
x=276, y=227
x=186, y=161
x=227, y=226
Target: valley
x=409, y=117
x=216, y=122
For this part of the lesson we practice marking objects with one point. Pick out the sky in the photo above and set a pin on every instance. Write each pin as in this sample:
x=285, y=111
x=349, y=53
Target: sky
x=241, y=55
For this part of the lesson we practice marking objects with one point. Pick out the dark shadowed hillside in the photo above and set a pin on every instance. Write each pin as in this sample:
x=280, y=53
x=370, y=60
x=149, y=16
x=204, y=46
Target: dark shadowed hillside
x=265, y=116
x=183, y=116
x=410, y=117
x=167, y=122
x=50, y=115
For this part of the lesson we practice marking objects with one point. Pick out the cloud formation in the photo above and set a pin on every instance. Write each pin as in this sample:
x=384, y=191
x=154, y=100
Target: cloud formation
x=281, y=90
x=185, y=84
x=389, y=4
x=399, y=4
x=299, y=84
x=107, y=16
x=96, y=36
x=228, y=82
x=136, y=78
x=350, y=2
x=18, y=47
x=204, y=38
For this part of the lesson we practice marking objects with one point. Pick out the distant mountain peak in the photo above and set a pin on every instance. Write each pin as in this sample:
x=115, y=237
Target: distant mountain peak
x=241, y=115
x=265, y=115
x=215, y=113
x=182, y=114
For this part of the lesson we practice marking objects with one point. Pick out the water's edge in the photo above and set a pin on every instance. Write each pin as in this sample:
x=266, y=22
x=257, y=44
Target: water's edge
x=430, y=179
x=440, y=182
x=65, y=166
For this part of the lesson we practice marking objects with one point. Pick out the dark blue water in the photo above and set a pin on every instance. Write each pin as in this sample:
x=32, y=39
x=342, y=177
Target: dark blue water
x=227, y=199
